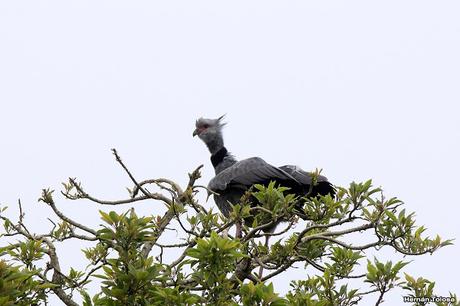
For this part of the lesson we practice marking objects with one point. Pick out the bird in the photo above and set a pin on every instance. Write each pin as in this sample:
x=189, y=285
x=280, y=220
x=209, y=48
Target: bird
x=233, y=178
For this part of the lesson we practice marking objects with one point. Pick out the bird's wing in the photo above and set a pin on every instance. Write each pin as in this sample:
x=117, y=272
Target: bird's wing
x=323, y=186
x=301, y=175
x=248, y=172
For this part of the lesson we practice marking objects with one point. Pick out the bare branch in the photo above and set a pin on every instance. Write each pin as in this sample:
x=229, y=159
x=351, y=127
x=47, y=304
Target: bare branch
x=68, y=220
x=158, y=182
x=84, y=195
x=118, y=159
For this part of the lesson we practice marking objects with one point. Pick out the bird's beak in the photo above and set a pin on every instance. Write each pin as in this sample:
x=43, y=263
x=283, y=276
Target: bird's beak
x=197, y=131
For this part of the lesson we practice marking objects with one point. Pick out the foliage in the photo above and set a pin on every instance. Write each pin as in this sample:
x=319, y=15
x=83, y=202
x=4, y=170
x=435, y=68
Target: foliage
x=18, y=287
x=209, y=266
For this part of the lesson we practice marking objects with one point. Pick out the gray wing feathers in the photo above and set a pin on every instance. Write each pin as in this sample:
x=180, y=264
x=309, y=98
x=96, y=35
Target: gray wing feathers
x=248, y=172
x=301, y=175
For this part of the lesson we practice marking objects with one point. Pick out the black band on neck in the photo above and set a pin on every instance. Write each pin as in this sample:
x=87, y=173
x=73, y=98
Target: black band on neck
x=217, y=157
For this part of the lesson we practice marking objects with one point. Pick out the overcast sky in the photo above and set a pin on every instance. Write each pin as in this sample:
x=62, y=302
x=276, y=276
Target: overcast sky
x=361, y=89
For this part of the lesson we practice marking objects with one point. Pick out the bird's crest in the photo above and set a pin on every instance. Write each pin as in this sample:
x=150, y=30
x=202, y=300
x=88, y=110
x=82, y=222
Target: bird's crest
x=211, y=122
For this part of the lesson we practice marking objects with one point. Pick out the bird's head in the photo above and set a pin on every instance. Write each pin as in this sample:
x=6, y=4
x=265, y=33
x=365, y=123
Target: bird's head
x=209, y=130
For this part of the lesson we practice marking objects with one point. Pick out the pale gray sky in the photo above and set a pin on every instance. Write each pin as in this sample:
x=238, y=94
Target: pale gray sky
x=361, y=89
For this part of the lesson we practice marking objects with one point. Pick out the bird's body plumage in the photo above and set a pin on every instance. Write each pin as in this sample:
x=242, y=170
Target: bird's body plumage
x=231, y=183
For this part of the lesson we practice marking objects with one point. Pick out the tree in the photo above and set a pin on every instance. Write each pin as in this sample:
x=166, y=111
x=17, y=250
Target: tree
x=211, y=267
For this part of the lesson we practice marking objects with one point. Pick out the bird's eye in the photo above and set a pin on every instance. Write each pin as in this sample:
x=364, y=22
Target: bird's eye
x=205, y=126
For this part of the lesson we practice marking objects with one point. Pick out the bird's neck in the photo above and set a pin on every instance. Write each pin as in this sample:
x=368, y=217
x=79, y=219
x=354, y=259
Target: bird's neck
x=222, y=159
x=215, y=145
